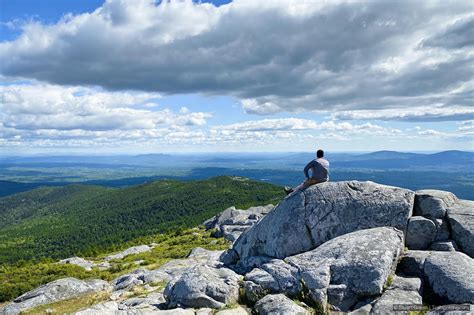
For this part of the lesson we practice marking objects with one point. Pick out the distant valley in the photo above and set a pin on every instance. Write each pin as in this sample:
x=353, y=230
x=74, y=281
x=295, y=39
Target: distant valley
x=448, y=170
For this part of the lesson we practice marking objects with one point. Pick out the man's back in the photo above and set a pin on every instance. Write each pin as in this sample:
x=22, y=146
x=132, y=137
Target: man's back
x=319, y=170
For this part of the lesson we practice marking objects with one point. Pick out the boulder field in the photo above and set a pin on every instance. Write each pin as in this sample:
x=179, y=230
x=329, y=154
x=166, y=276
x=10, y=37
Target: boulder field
x=350, y=247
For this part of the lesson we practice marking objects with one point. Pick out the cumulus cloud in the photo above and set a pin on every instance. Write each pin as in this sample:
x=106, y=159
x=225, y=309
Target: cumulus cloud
x=297, y=124
x=44, y=111
x=422, y=113
x=274, y=56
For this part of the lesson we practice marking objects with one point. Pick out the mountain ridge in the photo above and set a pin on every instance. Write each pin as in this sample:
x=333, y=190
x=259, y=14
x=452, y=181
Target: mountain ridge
x=64, y=221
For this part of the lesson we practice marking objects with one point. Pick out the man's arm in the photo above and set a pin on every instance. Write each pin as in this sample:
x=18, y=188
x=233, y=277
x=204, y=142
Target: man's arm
x=307, y=167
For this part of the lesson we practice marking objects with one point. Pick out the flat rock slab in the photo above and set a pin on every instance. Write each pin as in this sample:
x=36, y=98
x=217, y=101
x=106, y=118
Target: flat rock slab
x=451, y=276
x=232, y=222
x=384, y=305
x=203, y=286
x=129, y=251
x=55, y=291
x=461, y=219
x=279, y=304
x=78, y=261
x=307, y=219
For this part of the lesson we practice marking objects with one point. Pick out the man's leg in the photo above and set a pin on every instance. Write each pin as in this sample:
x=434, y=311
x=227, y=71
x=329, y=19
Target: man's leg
x=309, y=182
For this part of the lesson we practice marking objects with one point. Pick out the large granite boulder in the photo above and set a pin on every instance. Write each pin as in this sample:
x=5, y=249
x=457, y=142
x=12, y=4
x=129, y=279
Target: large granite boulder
x=341, y=271
x=55, y=291
x=203, y=286
x=307, y=219
x=279, y=304
x=461, y=219
x=451, y=276
x=232, y=222
x=421, y=232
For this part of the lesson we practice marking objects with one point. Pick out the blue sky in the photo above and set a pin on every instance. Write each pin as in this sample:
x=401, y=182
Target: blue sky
x=141, y=76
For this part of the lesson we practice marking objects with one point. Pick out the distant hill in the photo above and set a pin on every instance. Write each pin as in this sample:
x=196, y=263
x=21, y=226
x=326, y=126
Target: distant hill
x=391, y=159
x=58, y=222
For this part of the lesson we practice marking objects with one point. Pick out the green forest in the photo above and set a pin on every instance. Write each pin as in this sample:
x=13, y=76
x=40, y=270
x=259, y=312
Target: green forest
x=59, y=222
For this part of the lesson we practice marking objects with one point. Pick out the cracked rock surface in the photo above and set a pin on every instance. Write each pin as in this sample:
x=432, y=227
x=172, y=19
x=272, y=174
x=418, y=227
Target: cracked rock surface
x=307, y=219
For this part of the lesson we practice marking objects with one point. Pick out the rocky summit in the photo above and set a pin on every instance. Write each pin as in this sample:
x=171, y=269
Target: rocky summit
x=349, y=247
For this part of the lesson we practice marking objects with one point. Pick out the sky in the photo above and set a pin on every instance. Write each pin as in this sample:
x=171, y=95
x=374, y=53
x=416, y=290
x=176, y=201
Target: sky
x=145, y=76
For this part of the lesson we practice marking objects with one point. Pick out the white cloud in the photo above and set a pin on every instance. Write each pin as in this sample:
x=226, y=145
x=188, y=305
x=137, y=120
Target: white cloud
x=421, y=113
x=282, y=125
x=56, y=112
x=274, y=56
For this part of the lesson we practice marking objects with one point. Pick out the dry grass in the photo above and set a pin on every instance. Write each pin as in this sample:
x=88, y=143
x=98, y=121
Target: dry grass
x=69, y=306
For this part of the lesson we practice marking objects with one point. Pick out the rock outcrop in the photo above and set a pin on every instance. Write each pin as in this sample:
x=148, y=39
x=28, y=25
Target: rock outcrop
x=78, y=261
x=129, y=251
x=307, y=219
x=341, y=272
x=171, y=270
x=203, y=286
x=58, y=290
x=335, y=246
x=232, y=222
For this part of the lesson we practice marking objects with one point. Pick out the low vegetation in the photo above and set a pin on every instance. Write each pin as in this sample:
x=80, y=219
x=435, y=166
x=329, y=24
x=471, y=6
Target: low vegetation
x=24, y=276
x=59, y=222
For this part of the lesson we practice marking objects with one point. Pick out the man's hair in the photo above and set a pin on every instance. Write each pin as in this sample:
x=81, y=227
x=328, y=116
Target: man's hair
x=320, y=153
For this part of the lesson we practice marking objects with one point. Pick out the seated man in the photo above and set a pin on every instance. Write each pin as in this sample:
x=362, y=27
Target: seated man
x=319, y=172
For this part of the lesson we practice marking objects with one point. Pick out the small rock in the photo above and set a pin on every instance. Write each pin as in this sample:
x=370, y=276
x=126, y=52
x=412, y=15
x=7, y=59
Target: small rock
x=279, y=304
x=406, y=284
x=205, y=311
x=130, y=280
x=175, y=311
x=103, y=265
x=451, y=276
x=421, y=232
x=234, y=311
x=105, y=308
x=151, y=301
x=447, y=246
